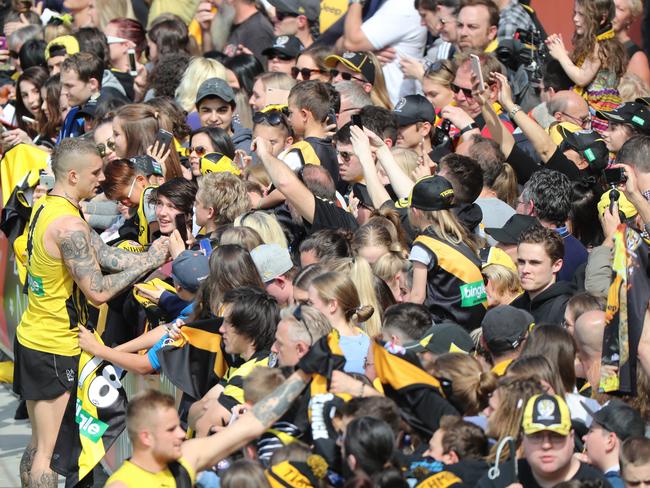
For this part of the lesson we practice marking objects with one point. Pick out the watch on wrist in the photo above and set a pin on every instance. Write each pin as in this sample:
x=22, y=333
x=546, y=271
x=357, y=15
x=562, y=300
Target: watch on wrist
x=468, y=128
x=360, y=2
x=514, y=111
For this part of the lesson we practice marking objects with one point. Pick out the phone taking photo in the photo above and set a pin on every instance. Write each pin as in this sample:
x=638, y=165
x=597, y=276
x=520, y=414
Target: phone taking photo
x=164, y=139
x=133, y=69
x=356, y=120
x=181, y=226
x=476, y=68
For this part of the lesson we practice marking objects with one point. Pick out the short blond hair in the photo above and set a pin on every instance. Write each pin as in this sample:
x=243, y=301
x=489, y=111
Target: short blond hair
x=504, y=280
x=226, y=194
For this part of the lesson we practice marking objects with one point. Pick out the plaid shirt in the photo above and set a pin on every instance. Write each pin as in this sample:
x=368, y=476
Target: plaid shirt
x=514, y=17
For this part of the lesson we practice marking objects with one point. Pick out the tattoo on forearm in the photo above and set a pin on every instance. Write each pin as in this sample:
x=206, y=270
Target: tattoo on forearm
x=26, y=465
x=276, y=403
x=83, y=263
x=114, y=259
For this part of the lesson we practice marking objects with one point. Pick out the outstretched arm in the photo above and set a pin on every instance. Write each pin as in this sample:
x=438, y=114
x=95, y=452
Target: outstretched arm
x=136, y=363
x=207, y=451
x=110, y=258
x=73, y=239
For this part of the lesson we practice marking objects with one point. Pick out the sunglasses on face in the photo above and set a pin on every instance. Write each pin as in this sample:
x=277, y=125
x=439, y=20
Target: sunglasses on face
x=199, y=150
x=103, y=148
x=305, y=72
x=346, y=76
x=345, y=155
x=280, y=56
x=466, y=91
x=283, y=15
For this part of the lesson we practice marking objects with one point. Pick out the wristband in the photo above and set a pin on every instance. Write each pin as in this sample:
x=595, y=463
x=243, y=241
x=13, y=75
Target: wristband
x=514, y=111
x=360, y=2
x=468, y=128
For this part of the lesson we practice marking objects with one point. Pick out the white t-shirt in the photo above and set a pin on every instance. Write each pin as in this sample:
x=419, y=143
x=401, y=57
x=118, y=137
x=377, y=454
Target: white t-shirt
x=397, y=24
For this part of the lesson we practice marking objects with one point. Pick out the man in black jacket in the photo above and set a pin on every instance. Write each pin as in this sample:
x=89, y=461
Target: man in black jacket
x=539, y=259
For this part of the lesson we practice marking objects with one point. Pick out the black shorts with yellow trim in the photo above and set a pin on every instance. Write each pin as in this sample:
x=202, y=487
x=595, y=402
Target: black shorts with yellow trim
x=42, y=375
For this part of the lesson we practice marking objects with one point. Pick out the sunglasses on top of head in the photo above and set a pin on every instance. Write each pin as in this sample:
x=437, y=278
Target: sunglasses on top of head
x=272, y=117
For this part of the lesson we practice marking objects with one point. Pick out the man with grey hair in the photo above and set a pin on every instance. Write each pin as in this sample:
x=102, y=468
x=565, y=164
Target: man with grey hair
x=299, y=328
x=66, y=262
x=547, y=196
x=353, y=99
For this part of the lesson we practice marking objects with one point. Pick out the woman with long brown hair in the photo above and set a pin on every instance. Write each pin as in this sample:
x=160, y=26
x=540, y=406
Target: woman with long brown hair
x=135, y=127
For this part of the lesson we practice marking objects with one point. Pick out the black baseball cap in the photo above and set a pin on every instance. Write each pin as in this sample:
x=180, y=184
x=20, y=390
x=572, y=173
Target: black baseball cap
x=442, y=338
x=412, y=109
x=215, y=87
x=289, y=46
x=429, y=193
x=505, y=327
x=512, y=229
x=635, y=114
x=308, y=8
x=618, y=417
x=588, y=143
x=358, y=62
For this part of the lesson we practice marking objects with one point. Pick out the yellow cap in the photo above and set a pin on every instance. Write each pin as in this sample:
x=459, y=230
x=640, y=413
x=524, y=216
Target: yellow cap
x=546, y=412
x=70, y=44
x=499, y=256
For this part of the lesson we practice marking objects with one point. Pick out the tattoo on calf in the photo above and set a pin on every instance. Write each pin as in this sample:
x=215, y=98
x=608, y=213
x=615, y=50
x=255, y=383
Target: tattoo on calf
x=45, y=480
x=26, y=465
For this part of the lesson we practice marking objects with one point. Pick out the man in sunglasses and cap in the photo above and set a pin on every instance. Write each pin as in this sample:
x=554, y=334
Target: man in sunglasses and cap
x=296, y=18
x=282, y=55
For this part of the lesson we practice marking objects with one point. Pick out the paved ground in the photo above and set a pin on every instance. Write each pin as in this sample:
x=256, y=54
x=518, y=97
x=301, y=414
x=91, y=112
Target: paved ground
x=14, y=435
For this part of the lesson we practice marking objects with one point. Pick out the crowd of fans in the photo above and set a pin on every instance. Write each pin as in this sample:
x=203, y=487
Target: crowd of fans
x=395, y=221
